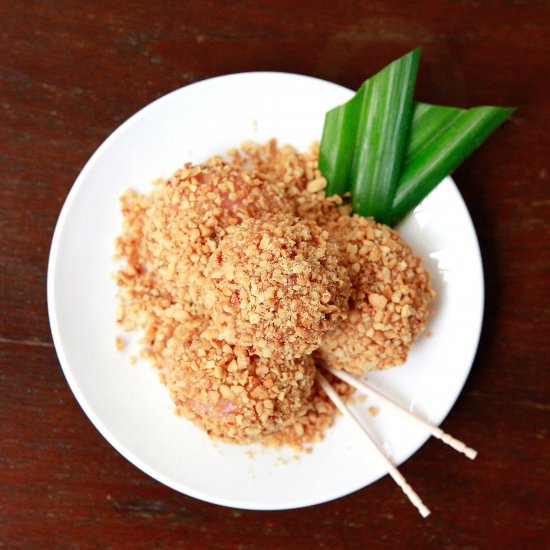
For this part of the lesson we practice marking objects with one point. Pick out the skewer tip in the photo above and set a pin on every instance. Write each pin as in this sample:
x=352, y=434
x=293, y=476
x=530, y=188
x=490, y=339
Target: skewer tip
x=470, y=453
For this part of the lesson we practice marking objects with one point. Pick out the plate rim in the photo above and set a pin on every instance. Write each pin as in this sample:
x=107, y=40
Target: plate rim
x=71, y=379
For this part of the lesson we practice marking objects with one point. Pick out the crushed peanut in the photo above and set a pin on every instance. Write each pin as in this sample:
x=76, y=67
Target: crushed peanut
x=240, y=405
x=390, y=297
x=237, y=270
x=275, y=286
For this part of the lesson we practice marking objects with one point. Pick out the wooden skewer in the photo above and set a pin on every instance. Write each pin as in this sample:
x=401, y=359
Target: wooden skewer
x=393, y=471
x=432, y=428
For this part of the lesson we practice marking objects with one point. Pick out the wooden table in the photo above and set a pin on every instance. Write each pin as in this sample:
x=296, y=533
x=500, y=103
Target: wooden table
x=71, y=72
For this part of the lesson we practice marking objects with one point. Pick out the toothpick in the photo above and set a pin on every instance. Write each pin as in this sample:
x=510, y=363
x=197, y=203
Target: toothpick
x=432, y=428
x=393, y=471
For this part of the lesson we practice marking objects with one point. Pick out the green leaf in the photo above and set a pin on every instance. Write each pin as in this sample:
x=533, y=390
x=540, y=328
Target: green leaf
x=338, y=144
x=426, y=123
x=389, y=152
x=381, y=137
x=440, y=139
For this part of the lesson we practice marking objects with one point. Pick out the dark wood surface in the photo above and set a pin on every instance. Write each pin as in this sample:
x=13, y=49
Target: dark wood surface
x=71, y=72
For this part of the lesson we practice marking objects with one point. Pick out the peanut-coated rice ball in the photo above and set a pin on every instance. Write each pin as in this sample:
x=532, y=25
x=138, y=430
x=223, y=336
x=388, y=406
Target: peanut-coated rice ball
x=390, y=297
x=232, y=395
x=275, y=286
x=192, y=210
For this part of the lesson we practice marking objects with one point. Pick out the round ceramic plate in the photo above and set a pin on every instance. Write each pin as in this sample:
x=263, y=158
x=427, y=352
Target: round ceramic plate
x=129, y=406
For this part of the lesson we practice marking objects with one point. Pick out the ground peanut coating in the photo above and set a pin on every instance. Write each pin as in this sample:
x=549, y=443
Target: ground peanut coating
x=192, y=210
x=275, y=286
x=232, y=395
x=235, y=271
x=389, y=305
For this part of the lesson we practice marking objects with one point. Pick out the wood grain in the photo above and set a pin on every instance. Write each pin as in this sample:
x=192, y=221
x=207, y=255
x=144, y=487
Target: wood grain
x=71, y=72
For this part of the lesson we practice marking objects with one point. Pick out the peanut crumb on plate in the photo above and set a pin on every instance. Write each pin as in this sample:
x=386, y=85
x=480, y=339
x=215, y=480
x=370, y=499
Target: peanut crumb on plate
x=373, y=411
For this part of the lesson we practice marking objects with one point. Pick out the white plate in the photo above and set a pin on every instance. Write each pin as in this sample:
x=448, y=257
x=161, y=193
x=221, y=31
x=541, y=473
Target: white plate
x=131, y=408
